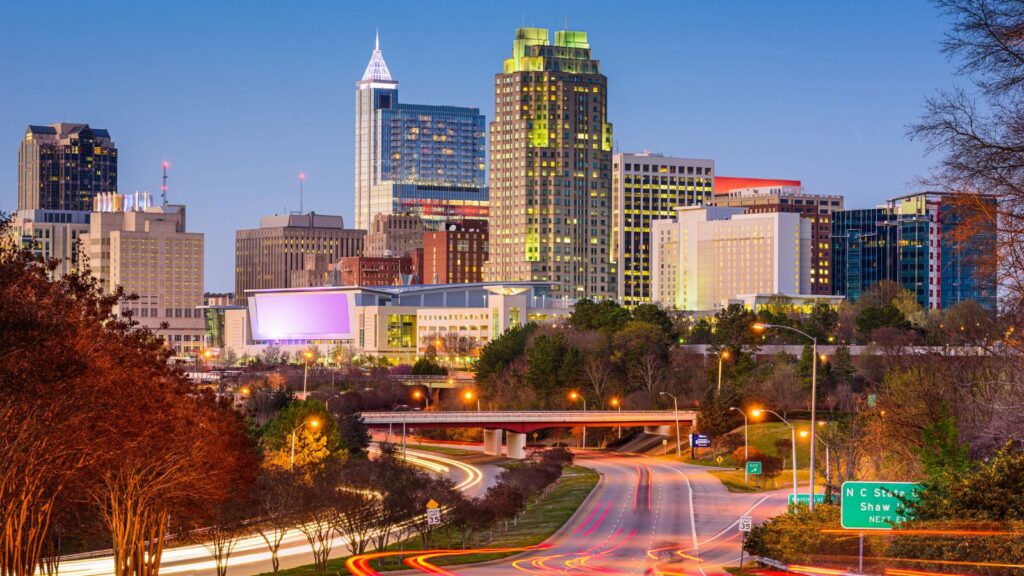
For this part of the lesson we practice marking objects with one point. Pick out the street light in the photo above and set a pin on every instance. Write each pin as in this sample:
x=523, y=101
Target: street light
x=723, y=355
x=618, y=406
x=757, y=413
x=313, y=423
x=576, y=396
x=468, y=395
x=828, y=471
x=761, y=327
x=746, y=443
x=675, y=408
x=306, y=357
x=417, y=395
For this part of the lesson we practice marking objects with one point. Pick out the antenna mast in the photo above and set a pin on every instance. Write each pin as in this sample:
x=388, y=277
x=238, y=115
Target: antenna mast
x=163, y=186
x=302, y=178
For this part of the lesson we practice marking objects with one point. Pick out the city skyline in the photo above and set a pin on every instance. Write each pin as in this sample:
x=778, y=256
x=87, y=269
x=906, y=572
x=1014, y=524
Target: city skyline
x=239, y=120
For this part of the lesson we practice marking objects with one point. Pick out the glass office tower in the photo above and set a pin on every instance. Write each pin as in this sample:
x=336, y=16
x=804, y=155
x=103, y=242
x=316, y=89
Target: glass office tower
x=413, y=158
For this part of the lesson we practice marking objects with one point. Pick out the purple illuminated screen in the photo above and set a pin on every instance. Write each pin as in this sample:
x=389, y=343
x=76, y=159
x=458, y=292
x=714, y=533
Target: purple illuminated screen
x=301, y=316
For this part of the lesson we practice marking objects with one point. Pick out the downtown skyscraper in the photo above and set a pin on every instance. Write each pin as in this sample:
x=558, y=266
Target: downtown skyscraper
x=64, y=166
x=413, y=158
x=551, y=167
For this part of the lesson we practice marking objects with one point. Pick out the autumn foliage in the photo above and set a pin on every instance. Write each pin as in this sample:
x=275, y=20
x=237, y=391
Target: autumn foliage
x=94, y=423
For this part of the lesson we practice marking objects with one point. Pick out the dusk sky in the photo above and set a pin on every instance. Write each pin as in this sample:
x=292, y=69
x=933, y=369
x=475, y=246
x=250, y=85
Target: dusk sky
x=242, y=96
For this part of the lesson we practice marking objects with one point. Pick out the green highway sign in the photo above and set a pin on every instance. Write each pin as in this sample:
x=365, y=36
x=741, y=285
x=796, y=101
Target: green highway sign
x=753, y=467
x=872, y=400
x=874, y=505
x=806, y=498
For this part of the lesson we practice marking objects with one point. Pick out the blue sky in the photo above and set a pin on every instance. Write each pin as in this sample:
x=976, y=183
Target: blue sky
x=242, y=96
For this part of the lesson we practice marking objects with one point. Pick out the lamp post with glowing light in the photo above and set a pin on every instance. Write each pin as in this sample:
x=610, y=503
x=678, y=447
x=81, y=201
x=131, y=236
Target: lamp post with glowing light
x=618, y=406
x=468, y=396
x=761, y=327
x=675, y=408
x=306, y=357
x=313, y=423
x=828, y=471
x=417, y=395
x=577, y=396
x=746, y=443
x=756, y=413
x=723, y=355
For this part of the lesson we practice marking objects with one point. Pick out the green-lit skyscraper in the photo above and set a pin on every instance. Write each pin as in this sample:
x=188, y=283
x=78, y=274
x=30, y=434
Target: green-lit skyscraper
x=551, y=173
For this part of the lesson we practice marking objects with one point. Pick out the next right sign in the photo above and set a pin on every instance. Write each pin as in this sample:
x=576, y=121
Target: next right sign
x=874, y=505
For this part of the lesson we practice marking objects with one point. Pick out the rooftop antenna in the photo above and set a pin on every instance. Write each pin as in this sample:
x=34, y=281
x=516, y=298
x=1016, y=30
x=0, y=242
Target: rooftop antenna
x=163, y=185
x=302, y=178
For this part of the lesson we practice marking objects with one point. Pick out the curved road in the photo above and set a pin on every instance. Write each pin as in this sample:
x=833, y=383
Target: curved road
x=646, y=516
x=251, y=555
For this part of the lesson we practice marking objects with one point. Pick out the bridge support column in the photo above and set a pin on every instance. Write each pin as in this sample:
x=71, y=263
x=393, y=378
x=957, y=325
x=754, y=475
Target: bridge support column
x=492, y=442
x=661, y=430
x=516, y=445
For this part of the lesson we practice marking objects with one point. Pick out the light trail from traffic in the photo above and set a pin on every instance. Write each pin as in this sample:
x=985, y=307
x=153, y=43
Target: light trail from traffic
x=252, y=549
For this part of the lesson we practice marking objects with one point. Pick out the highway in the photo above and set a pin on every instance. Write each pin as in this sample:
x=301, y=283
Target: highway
x=251, y=555
x=646, y=516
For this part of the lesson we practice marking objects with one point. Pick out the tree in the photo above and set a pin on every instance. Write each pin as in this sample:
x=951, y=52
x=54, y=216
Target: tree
x=314, y=443
x=272, y=355
x=427, y=367
x=782, y=389
x=223, y=529
x=502, y=351
x=872, y=318
x=316, y=517
x=605, y=315
x=941, y=450
x=552, y=365
x=276, y=506
x=653, y=314
x=354, y=435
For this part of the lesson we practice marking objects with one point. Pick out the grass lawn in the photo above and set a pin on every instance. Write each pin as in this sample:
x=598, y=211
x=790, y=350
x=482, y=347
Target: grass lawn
x=539, y=521
x=733, y=480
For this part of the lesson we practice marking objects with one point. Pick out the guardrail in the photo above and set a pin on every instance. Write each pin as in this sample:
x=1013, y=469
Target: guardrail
x=552, y=416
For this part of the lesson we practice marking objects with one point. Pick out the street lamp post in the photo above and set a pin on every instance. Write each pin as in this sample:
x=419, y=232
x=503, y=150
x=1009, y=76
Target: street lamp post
x=577, y=396
x=306, y=357
x=426, y=398
x=618, y=406
x=399, y=407
x=746, y=443
x=468, y=395
x=675, y=408
x=723, y=355
x=828, y=471
x=760, y=327
x=792, y=430
x=313, y=423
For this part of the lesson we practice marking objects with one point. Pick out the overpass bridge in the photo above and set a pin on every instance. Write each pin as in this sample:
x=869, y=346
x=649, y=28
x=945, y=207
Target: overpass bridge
x=517, y=424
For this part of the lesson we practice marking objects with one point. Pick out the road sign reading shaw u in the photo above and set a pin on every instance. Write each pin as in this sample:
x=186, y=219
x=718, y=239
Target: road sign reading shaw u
x=875, y=505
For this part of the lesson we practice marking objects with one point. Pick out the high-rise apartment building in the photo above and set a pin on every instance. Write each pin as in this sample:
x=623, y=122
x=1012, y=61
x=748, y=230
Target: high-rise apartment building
x=455, y=255
x=149, y=252
x=706, y=257
x=911, y=240
x=817, y=209
x=63, y=166
x=394, y=235
x=413, y=158
x=51, y=234
x=266, y=256
x=550, y=178
x=649, y=187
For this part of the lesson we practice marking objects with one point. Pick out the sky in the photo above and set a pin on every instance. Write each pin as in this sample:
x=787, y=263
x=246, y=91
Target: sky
x=240, y=97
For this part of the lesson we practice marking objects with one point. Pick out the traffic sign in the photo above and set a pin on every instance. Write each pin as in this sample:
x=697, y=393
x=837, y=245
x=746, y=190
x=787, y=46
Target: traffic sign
x=433, y=513
x=753, y=467
x=875, y=505
x=719, y=459
x=872, y=400
x=746, y=523
x=806, y=498
x=700, y=440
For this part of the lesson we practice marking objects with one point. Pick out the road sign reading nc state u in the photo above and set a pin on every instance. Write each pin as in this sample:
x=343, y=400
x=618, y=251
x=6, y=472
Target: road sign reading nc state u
x=875, y=505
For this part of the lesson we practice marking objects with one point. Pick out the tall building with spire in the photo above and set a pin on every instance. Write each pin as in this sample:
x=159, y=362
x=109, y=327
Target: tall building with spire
x=413, y=158
x=551, y=167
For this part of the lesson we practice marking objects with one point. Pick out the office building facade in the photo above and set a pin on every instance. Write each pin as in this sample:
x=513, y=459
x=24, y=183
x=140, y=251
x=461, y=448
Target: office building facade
x=64, y=166
x=151, y=253
x=649, y=187
x=817, y=209
x=455, y=255
x=51, y=234
x=394, y=235
x=550, y=178
x=912, y=240
x=415, y=159
x=371, y=271
x=707, y=257
x=265, y=257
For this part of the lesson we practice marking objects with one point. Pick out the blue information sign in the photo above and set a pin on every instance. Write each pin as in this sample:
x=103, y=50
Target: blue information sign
x=700, y=441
